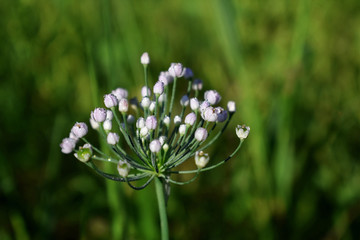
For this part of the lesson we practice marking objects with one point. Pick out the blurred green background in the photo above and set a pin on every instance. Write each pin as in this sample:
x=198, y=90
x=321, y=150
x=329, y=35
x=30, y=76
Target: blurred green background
x=293, y=68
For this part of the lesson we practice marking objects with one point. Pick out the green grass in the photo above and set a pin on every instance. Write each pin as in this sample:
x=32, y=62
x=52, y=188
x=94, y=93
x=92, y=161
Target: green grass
x=292, y=67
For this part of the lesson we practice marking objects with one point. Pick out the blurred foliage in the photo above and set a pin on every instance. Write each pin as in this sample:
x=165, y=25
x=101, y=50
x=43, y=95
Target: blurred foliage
x=292, y=66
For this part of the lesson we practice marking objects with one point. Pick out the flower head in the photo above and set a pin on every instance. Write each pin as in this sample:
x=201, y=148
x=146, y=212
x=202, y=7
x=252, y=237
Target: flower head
x=201, y=159
x=176, y=70
x=120, y=93
x=212, y=96
x=99, y=115
x=84, y=153
x=201, y=134
x=155, y=146
x=123, y=168
x=79, y=130
x=242, y=131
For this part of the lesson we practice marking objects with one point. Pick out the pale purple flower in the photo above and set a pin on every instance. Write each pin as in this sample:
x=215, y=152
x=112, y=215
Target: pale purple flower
x=158, y=88
x=201, y=159
x=221, y=114
x=231, y=106
x=123, y=105
x=123, y=168
x=205, y=104
x=80, y=129
x=188, y=73
x=242, y=131
x=190, y=119
x=194, y=104
x=110, y=100
x=99, y=114
x=184, y=101
x=67, y=145
x=120, y=93
x=209, y=114
x=176, y=70
x=145, y=91
x=155, y=146
x=165, y=78
x=145, y=59
x=197, y=85
x=201, y=134
x=107, y=125
x=151, y=122
x=212, y=96
x=112, y=138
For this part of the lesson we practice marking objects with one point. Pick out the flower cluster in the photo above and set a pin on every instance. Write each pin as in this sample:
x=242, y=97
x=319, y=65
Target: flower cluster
x=157, y=140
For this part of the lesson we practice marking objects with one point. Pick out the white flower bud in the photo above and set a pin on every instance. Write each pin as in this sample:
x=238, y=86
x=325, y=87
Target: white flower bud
x=190, y=119
x=95, y=125
x=177, y=120
x=165, y=147
x=145, y=102
x=155, y=146
x=123, y=168
x=166, y=121
x=151, y=122
x=184, y=101
x=67, y=145
x=107, y=125
x=145, y=59
x=182, y=129
x=162, y=98
x=194, y=104
x=165, y=78
x=212, y=96
x=231, y=106
x=80, y=129
x=144, y=132
x=201, y=134
x=110, y=100
x=197, y=85
x=140, y=123
x=99, y=114
x=152, y=106
x=123, y=105
x=201, y=159
x=176, y=70
x=162, y=140
x=120, y=93
x=145, y=91
x=109, y=115
x=112, y=138
x=158, y=88
x=242, y=131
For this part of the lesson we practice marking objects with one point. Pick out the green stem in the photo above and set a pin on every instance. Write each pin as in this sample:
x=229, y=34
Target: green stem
x=162, y=209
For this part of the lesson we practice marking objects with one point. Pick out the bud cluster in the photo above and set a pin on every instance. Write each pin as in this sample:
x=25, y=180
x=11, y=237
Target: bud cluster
x=158, y=139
